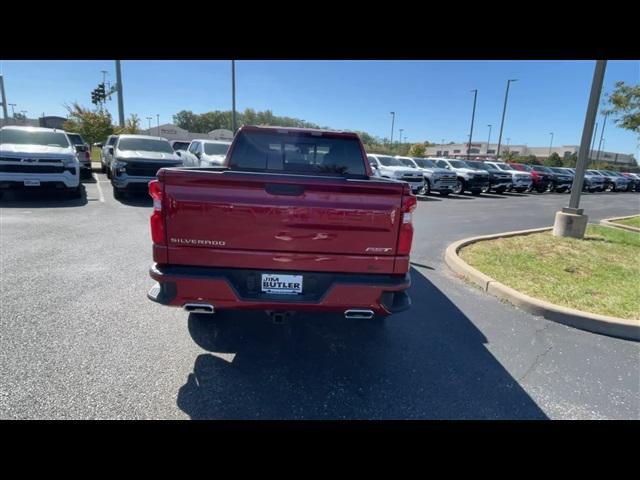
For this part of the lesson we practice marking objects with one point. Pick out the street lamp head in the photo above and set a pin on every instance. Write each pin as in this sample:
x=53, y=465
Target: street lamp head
x=513, y=80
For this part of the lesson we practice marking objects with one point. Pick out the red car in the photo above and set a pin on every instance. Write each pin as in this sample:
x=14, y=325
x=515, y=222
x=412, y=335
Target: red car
x=540, y=180
x=294, y=220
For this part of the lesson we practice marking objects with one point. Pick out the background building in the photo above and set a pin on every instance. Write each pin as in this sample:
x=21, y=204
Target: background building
x=173, y=132
x=484, y=150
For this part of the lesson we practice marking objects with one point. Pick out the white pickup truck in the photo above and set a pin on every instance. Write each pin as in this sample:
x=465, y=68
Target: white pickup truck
x=33, y=157
x=386, y=166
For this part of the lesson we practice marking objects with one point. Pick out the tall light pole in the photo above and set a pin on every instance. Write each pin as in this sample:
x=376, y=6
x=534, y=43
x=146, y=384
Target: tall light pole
x=570, y=222
x=489, y=139
x=119, y=89
x=149, y=120
x=233, y=96
x=104, y=76
x=400, y=136
x=13, y=109
x=504, y=110
x=473, y=116
x=4, y=98
x=442, y=148
x=393, y=118
x=158, y=119
x=550, y=143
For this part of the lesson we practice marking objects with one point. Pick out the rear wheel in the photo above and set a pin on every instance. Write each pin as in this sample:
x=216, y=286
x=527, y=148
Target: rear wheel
x=426, y=190
x=459, y=187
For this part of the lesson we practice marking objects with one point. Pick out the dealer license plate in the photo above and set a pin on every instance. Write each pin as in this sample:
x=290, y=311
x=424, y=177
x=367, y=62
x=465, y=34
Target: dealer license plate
x=32, y=183
x=277, y=283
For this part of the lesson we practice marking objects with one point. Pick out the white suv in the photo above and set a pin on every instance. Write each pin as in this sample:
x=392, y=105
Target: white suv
x=386, y=166
x=204, y=153
x=32, y=157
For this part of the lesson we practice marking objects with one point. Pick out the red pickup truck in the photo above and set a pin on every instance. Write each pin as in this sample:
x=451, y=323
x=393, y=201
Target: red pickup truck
x=294, y=220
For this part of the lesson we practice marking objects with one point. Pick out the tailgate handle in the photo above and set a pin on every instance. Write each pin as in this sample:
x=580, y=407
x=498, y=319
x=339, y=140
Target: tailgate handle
x=284, y=189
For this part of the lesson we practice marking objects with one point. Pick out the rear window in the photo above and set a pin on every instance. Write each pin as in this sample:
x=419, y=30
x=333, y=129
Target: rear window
x=75, y=139
x=145, y=145
x=180, y=145
x=297, y=153
x=26, y=137
x=216, y=148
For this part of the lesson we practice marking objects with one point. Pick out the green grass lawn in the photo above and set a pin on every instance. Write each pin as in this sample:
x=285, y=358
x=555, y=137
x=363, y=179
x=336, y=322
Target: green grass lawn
x=598, y=274
x=632, y=222
x=95, y=154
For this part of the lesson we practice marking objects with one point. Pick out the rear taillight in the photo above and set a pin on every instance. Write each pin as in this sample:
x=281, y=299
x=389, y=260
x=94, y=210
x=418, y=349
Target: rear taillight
x=157, y=220
x=409, y=204
x=87, y=155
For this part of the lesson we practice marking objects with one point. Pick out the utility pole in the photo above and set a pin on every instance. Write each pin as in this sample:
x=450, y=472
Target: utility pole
x=489, y=140
x=400, y=136
x=570, y=222
x=393, y=118
x=13, y=109
x=473, y=115
x=4, y=98
x=504, y=110
x=233, y=96
x=149, y=120
x=604, y=124
x=119, y=88
x=551, y=143
x=158, y=118
x=595, y=133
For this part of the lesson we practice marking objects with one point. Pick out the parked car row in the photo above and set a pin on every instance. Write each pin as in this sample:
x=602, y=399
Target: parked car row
x=132, y=161
x=447, y=175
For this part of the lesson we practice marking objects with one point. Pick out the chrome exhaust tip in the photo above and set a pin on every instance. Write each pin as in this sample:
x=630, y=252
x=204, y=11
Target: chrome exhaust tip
x=357, y=313
x=199, y=308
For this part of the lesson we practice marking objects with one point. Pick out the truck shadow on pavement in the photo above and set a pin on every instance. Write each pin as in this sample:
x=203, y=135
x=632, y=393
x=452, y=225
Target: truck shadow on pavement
x=53, y=198
x=429, y=362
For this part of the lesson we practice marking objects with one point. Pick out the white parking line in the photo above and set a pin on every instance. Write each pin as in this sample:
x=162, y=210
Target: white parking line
x=100, y=195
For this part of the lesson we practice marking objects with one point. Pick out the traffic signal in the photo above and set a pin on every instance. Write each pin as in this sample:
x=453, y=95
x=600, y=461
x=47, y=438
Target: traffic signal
x=94, y=97
x=102, y=94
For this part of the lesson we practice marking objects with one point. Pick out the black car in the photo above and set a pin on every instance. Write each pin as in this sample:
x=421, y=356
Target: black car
x=499, y=180
x=559, y=182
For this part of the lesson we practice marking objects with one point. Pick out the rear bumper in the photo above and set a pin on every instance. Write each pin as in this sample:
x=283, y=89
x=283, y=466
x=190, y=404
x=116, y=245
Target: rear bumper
x=239, y=289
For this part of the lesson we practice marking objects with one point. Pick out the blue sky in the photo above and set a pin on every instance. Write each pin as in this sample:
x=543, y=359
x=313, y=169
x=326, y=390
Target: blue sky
x=432, y=99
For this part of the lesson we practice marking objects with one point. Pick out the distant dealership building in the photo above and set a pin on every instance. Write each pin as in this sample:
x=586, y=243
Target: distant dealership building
x=46, y=121
x=485, y=150
x=173, y=132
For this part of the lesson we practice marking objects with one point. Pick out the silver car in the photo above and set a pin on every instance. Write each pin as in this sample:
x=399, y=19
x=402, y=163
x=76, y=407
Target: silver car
x=205, y=153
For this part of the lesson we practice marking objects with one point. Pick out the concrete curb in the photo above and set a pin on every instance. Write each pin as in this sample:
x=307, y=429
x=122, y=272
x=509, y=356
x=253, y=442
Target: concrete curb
x=593, y=322
x=609, y=222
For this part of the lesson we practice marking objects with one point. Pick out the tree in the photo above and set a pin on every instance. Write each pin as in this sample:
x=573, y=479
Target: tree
x=93, y=125
x=417, y=150
x=132, y=126
x=553, y=160
x=570, y=160
x=624, y=105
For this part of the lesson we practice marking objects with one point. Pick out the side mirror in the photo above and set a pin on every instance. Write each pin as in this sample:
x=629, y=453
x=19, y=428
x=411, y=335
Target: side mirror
x=110, y=150
x=179, y=153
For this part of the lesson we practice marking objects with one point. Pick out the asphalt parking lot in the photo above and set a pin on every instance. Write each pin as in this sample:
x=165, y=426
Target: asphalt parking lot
x=80, y=339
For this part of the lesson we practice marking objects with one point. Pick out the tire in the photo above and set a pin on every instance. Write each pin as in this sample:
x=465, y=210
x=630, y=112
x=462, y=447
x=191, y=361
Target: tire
x=74, y=193
x=426, y=190
x=459, y=188
x=103, y=169
x=520, y=190
x=444, y=193
x=501, y=190
x=540, y=189
x=476, y=193
x=485, y=189
x=109, y=173
x=119, y=193
x=613, y=187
